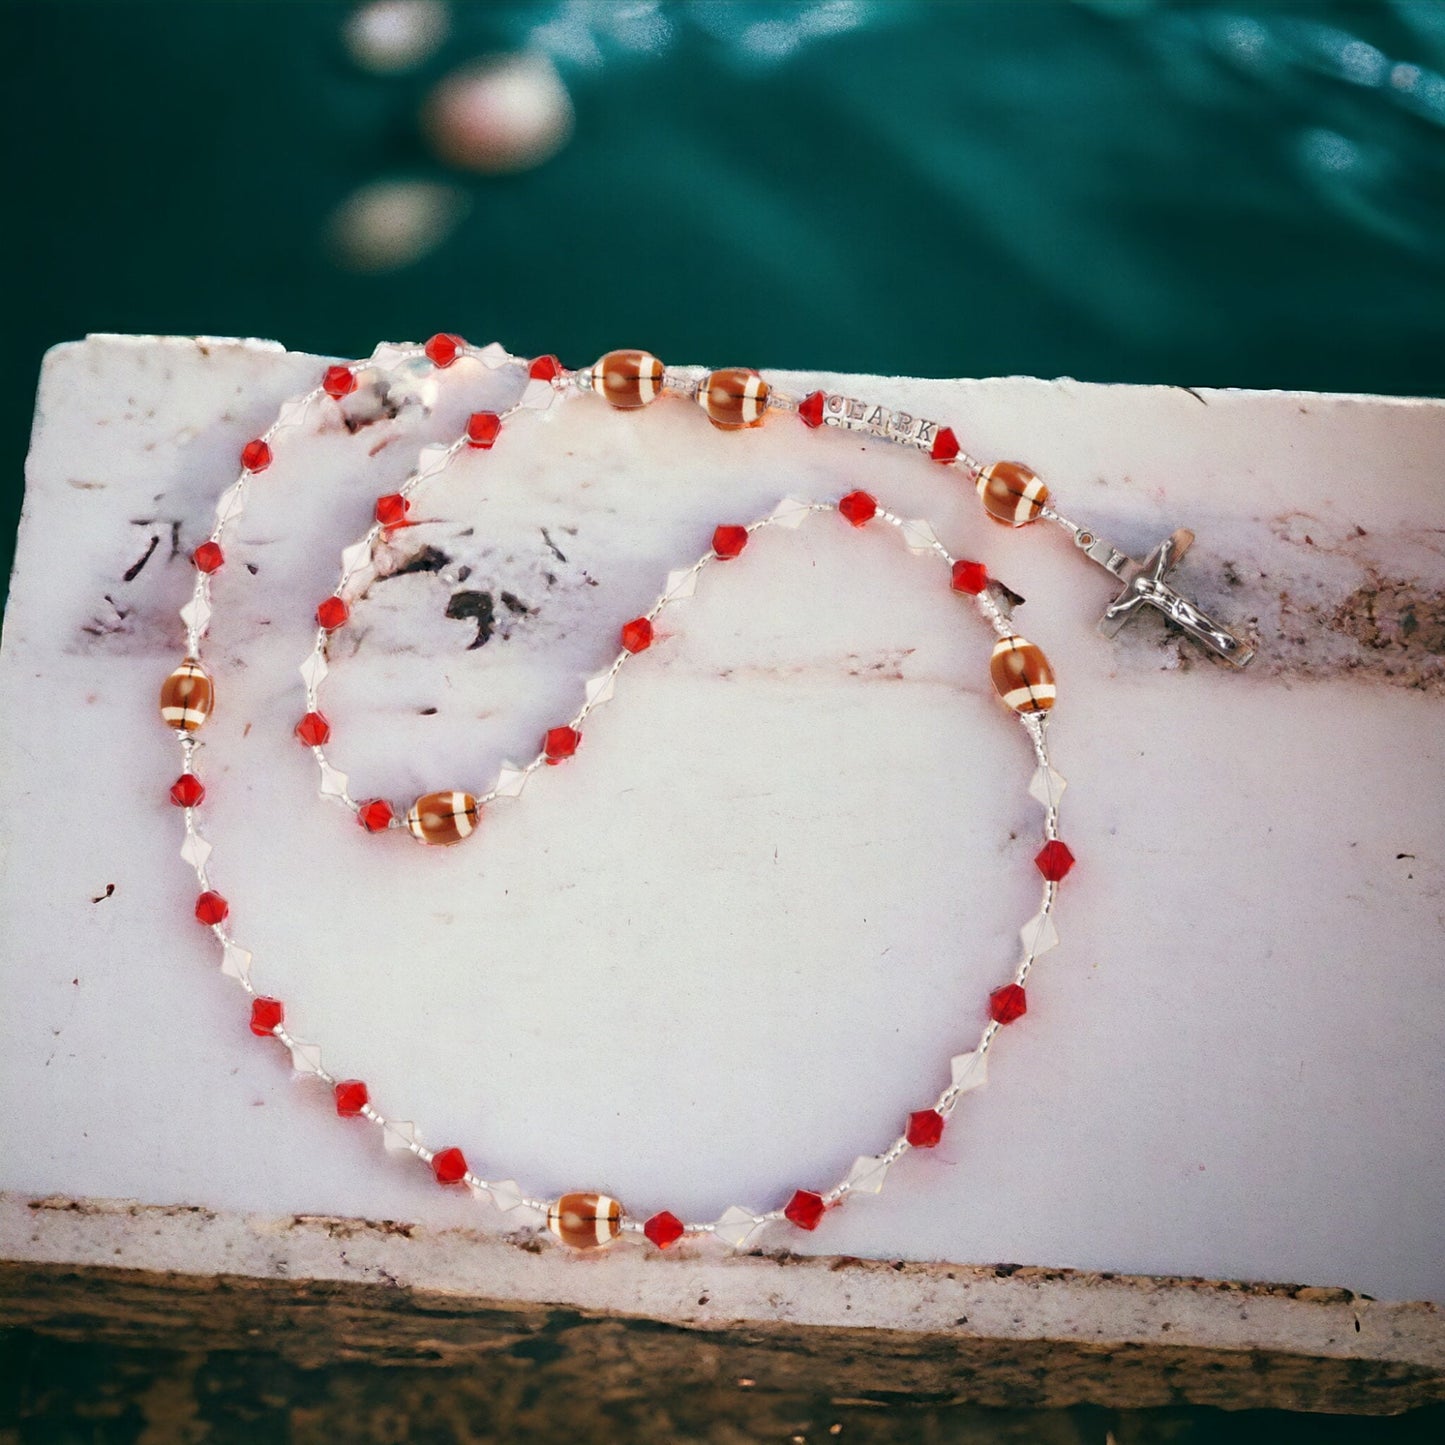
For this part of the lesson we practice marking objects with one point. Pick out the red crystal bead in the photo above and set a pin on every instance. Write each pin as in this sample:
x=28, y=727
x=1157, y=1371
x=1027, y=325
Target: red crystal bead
x=338, y=382
x=945, y=445
x=211, y=908
x=805, y=1209
x=314, y=730
x=561, y=743
x=483, y=428
x=333, y=613
x=727, y=542
x=969, y=577
x=545, y=368
x=637, y=635
x=858, y=508
x=266, y=1016
x=186, y=791
x=256, y=456
x=810, y=409
x=444, y=348
x=391, y=510
x=925, y=1128
x=449, y=1166
x=351, y=1097
x=1054, y=860
x=208, y=557
x=375, y=816
x=1007, y=1003
x=664, y=1229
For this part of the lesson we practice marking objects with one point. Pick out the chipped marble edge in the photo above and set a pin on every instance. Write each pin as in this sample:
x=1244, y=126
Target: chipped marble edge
x=265, y=345
x=700, y=1290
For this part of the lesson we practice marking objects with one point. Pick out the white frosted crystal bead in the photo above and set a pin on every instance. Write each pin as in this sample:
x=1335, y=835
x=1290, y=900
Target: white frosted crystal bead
x=789, y=512
x=1039, y=935
x=356, y=558
x=867, y=1174
x=681, y=583
x=236, y=962
x=231, y=503
x=388, y=355
x=333, y=782
x=738, y=1227
x=430, y=460
x=195, y=850
x=313, y=670
x=600, y=688
x=538, y=395
x=305, y=1058
x=510, y=781
x=970, y=1071
x=196, y=614
x=292, y=413
x=399, y=1135
x=506, y=1195
x=494, y=354
x=1047, y=787
x=918, y=536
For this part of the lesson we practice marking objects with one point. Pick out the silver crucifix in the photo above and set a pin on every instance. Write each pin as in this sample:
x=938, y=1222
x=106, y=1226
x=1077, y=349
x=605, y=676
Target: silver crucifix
x=1145, y=586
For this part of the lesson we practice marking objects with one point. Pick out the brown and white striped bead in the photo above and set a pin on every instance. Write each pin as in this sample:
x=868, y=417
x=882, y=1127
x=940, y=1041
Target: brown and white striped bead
x=732, y=398
x=442, y=818
x=187, y=697
x=628, y=379
x=1011, y=493
x=585, y=1221
x=1021, y=675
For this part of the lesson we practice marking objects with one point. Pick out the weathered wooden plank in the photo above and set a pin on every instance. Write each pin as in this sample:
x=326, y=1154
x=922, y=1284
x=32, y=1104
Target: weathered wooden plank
x=314, y=1291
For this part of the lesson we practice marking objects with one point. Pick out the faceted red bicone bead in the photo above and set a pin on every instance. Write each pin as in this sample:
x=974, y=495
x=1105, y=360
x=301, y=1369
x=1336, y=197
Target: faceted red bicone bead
x=727, y=542
x=444, y=348
x=333, y=613
x=561, y=743
x=375, y=816
x=483, y=429
x=637, y=635
x=945, y=445
x=208, y=557
x=805, y=1209
x=338, y=382
x=391, y=510
x=545, y=368
x=256, y=456
x=664, y=1229
x=925, y=1128
x=351, y=1097
x=314, y=730
x=186, y=791
x=1054, y=860
x=858, y=508
x=211, y=908
x=449, y=1166
x=969, y=577
x=1007, y=1003
x=266, y=1015
x=810, y=409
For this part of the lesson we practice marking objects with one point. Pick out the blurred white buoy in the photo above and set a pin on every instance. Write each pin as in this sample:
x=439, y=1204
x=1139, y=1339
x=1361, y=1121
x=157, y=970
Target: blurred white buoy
x=388, y=224
x=505, y=113
x=389, y=36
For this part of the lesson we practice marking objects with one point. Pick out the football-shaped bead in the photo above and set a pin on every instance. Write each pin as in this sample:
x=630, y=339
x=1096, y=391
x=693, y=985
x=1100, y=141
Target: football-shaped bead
x=442, y=818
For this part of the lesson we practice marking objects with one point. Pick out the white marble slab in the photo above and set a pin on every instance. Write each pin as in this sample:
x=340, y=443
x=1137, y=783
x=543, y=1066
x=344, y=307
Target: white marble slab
x=736, y=940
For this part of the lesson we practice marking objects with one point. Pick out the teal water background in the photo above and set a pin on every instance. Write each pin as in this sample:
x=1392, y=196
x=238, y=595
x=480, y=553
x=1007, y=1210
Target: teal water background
x=1206, y=194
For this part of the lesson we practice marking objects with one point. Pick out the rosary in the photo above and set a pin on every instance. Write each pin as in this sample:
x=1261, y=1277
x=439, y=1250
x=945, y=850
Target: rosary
x=732, y=399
